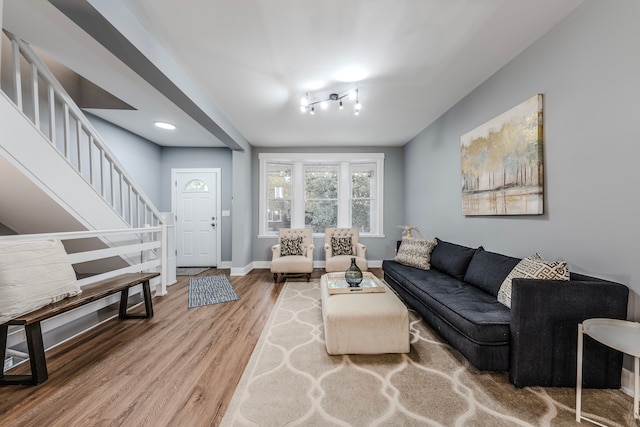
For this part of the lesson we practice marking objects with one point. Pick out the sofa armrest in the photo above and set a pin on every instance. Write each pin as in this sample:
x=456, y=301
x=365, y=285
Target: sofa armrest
x=361, y=250
x=276, y=251
x=327, y=251
x=310, y=250
x=544, y=327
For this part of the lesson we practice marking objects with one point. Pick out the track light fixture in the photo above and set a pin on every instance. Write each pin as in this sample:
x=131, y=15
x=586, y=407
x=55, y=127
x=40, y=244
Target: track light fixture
x=308, y=105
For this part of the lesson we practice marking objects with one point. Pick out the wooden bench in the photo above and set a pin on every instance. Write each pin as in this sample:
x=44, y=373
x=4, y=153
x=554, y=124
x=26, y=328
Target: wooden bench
x=90, y=293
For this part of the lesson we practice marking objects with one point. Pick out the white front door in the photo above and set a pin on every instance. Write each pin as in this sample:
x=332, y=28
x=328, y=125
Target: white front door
x=195, y=201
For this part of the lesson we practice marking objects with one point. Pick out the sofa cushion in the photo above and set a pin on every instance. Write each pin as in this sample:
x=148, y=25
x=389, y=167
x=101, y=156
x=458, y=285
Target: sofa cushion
x=451, y=258
x=32, y=275
x=291, y=246
x=487, y=270
x=415, y=252
x=532, y=267
x=470, y=310
x=341, y=246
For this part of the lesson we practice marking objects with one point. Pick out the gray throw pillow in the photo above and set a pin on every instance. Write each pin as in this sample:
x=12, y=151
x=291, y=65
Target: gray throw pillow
x=416, y=252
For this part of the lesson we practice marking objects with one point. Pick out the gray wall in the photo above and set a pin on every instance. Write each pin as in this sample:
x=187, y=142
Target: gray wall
x=588, y=69
x=6, y=231
x=242, y=212
x=178, y=157
x=150, y=167
x=1, y=22
x=377, y=248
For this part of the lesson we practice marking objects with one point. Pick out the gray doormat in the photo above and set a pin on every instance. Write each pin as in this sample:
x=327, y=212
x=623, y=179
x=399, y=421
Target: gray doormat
x=210, y=290
x=190, y=271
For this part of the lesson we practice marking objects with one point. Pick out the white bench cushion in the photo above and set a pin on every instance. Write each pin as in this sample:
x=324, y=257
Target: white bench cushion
x=32, y=275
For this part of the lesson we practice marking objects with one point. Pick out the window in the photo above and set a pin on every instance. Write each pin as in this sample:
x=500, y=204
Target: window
x=320, y=197
x=279, y=197
x=363, y=190
x=196, y=186
x=321, y=191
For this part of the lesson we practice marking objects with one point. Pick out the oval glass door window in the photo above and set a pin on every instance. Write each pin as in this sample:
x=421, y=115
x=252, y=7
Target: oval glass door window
x=196, y=186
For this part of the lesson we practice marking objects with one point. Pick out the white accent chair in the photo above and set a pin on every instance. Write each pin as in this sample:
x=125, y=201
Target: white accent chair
x=336, y=263
x=298, y=264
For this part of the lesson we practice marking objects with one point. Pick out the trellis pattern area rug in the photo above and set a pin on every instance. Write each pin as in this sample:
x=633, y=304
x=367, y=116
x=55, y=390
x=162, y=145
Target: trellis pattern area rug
x=210, y=290
x=292, y=381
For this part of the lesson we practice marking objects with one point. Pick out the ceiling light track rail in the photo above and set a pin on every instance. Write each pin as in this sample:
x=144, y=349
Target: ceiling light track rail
x=307, y=105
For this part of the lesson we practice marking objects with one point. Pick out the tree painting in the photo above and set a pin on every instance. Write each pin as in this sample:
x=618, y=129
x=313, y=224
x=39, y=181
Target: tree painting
x=502, y=167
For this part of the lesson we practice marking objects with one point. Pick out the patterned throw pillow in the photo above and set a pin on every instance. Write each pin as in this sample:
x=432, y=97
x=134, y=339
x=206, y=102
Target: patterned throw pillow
x=532, y=267
x=291, y=246
x=341, y=246
x=416, y=252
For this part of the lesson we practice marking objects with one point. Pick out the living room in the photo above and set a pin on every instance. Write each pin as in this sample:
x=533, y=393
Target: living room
x=589, y=92
x=587, y=70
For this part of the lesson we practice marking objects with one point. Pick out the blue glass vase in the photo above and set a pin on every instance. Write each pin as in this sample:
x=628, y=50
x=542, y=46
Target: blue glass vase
x=353, y=275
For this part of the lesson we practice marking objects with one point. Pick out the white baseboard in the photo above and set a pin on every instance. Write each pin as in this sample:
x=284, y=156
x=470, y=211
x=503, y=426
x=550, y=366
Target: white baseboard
x=262, y=264
x=241, y=271
x=225, y=264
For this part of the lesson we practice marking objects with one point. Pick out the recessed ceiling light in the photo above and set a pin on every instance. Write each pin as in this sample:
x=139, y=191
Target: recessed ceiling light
x=165, y=125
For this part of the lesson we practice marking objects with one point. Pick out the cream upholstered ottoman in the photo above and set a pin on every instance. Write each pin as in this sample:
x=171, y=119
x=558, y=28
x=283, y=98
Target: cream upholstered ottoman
x=364, y=323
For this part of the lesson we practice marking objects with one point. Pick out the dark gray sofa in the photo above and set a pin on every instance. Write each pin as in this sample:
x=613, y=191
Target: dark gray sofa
x=535, y=340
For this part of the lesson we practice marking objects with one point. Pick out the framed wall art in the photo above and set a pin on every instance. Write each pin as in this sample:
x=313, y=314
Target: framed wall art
x=502, y=164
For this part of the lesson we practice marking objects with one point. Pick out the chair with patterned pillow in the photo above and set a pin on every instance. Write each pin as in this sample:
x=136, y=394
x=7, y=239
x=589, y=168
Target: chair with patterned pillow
x=293, y=253
x=340, y=245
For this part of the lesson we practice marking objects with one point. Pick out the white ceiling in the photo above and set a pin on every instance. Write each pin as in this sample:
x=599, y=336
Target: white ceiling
x=255, y=59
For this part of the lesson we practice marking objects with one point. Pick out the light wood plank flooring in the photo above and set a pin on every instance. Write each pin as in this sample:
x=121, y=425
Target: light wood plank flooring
x=179, y=368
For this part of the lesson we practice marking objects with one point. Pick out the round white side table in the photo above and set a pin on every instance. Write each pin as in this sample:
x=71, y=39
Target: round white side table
x=621, y=335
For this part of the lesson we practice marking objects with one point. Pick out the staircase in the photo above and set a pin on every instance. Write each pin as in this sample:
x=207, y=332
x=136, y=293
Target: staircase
x=57, y=172
x=58, y=179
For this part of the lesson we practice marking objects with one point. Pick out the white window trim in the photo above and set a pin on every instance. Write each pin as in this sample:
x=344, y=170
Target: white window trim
x=344, y=160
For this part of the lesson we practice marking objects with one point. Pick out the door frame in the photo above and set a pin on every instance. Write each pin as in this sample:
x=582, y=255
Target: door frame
x=174, y=203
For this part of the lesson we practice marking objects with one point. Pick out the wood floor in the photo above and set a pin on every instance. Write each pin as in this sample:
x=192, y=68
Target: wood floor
x=179, y=368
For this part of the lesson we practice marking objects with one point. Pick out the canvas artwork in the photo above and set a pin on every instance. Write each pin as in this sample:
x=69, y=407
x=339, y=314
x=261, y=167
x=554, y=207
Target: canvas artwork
x=502, y=168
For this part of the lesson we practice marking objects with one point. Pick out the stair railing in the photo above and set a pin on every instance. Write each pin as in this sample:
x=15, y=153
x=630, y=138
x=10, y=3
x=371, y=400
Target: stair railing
x=42, y=99
x=142, y=244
